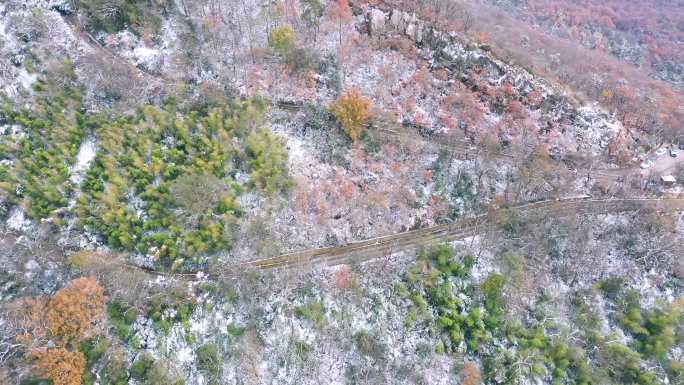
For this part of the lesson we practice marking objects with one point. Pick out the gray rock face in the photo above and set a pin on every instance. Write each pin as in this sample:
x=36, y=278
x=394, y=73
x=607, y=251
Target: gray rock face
x=377, y=22
x=395, y=19
x=411, y=31
x=403, y=22
x=415, y=32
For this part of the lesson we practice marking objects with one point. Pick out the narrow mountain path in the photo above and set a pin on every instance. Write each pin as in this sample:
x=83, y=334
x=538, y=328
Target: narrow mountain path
x=378, y=247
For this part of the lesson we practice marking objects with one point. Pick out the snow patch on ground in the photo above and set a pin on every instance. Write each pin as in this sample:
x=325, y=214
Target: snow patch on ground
x=86, y=154
x=17, y=220
x=147, y=57
x=26, y=79
x=595, y=128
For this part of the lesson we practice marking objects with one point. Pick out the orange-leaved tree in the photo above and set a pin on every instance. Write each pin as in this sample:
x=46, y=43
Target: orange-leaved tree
x=48, y=331
x=74, y=309
x=60, y=366
x=352, y=110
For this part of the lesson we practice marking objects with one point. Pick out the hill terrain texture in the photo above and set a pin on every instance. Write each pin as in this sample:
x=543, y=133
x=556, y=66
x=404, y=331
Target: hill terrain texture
x=209, y=192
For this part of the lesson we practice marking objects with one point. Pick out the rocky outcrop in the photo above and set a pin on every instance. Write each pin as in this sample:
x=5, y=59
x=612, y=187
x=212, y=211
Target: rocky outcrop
x=404, y=23
x=377, y=22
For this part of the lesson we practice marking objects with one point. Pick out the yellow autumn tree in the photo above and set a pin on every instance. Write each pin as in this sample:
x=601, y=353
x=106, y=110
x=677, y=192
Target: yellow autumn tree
x=60, y=366
x=282, y=39
x=352, y=110
x=74, y=309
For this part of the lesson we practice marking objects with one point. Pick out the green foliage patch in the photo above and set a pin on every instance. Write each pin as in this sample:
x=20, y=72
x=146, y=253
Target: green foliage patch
x=164, y=181
x=208, y=359
x=121, y=317
x=166, y=310
x=114, y=16
x=653, y=330
x=369, y=345
x=52, y=133
x=93, y=349
x=313, y=311
x=147, y=371
x=282, y=39
x=141, y=366
x=154, y=163
x=473, y=320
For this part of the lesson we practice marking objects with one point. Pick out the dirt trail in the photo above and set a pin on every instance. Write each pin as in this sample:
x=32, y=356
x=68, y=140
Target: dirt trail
x=462, y=228
x=413, y=240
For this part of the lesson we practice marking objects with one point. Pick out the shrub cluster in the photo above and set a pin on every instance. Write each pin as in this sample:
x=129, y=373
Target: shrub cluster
x=369, y=345
x=148, y=371
x=208, y=359
x=352, y=110
x=473, y=321
x=52, y=133
x=282, y=39
x=166, y=310
x=121, y=317
x=653, y=330
x=114, y=16
x=312, y=311
x=163, y=181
